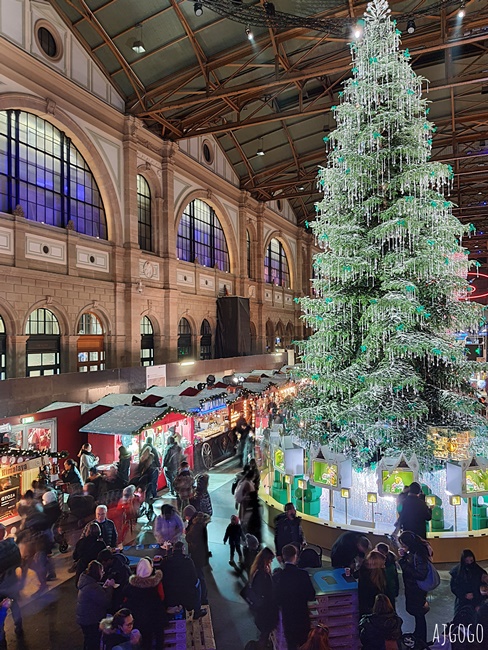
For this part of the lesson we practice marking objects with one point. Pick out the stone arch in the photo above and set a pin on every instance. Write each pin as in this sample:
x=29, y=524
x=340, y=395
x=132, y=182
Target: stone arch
x=61, y=120
x=254, y=337
x=270, y=336
x=154, y=321
x=100, y=313
x=57, y=309
x=222, y=216
x=10, y=318
x=152, y=179
x=277, y=234
x=289, y=334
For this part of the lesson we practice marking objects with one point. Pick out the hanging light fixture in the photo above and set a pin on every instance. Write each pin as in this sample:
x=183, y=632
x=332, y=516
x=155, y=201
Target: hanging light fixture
x=462, y=11
x=198, y=8
x=411, y=26
x=260, y=151
x=249, y=33
x=138, y=45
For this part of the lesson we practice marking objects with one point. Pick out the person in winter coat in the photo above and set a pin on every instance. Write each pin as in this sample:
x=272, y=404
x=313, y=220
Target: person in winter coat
x=266, y=610
x=233, y=533
x=392, y=581
x=197, y=541
x=116, y=567
x=168, y=526
x=10, y=560
x=415, y=513
x=71, y=475
x=381, y=629
x=243, y=431
x=183, y=486
x=87, y=460
x=349, y=550
x=293, y=590
x=180, y=581
x=92, y=604
x=87, y=548
x=288, y=530
x=253, y=521
x=250, y=551
x=118, y=632
x=371, y=581
x=466, y=580
x=414, y=558
x=201, y=498
x=155, y=467
x=241, y=495
x=123, y=464
x=171, y=462
x=144, y=596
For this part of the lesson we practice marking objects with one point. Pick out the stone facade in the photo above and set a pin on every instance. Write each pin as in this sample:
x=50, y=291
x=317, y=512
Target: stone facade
x=70, y=273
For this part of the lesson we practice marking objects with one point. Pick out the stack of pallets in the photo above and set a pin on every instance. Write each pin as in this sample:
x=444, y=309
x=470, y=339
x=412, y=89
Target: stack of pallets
x=189, y=634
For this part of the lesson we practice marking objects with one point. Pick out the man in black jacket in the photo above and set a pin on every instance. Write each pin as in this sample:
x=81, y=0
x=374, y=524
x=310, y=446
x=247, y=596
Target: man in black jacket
x=171, y=462
x=415, y=513
x=349, y=550
x=180, y=581
x=107, y=526
x=288, y=530
x=9, y=582
x=293, y=590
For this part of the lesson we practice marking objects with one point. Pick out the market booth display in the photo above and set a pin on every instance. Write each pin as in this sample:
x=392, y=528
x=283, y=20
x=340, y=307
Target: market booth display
x=130, y=426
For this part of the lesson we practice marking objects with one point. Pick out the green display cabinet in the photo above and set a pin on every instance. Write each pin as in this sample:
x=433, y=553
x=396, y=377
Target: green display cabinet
x=311, y=500
x=480, y=519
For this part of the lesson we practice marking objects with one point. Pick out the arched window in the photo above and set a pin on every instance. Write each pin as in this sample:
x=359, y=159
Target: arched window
x=147, y=342
x=201, y=237
x=3, y=350
x=184, y=339
x=289, y=335
x=205, y=340
x=42, y=171
x=43, y=344
x=276, y=265
x=144, y=214
x=91, y=344
x=248, y=253
x=279, y=336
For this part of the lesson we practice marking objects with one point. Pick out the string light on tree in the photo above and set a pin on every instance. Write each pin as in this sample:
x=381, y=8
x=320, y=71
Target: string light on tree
x=389, y=283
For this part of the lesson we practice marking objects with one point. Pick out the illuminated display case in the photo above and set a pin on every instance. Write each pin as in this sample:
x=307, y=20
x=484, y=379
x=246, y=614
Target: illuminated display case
x=331, y=470
x=288, y=458
x=395, y=473
x=468, y=478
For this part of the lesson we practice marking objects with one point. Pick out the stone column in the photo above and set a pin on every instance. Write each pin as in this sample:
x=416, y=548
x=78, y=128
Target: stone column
x=259, y=270
x=241, y=270
x=16, y=356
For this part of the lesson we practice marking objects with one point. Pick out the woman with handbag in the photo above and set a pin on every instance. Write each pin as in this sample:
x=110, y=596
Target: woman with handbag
x=414, y=561
x=264, y=609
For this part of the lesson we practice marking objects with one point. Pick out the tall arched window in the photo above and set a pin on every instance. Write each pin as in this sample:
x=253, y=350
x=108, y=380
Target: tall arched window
x=91, y=344
x=201, y=237
x=43, y=344
x=147, y=342
x=289, y=335
x=3, y=350
x=184, y=339
x=279, y=336
x=205, y=340
x=276, y=265
x=42, y=171
x=144, y=214
x=248, y=255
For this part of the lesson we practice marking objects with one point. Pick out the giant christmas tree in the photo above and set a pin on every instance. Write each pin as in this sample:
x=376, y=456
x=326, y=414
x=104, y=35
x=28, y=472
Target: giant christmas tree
x=390, y=283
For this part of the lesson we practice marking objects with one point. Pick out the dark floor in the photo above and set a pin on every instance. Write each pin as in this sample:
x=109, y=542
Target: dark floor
x=49, y=620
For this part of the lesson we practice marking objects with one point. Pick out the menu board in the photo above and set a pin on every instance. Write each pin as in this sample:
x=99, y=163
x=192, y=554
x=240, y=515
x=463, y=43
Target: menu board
x=9, y=495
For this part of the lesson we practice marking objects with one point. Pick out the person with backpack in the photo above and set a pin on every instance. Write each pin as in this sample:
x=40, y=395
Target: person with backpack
x=414, y=562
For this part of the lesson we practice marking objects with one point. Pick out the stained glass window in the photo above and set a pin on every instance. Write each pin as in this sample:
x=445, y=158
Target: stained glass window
x=144, y=214
x=276, y=265
x=201, y=237
x=42, y=171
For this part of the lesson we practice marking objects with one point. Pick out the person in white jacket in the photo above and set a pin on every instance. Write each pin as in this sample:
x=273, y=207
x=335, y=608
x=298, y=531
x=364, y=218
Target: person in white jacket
x=87, y=460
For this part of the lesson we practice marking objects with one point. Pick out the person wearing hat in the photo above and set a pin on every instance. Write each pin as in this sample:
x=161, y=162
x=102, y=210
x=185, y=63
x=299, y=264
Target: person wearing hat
x=197, y=541
x=9, y=583
x=144, y=596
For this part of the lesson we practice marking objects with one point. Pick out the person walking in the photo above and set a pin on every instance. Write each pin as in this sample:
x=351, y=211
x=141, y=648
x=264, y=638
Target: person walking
x=293, y=589
x=197, y=541
x=183, y=486
x=243, y=431
x=171, y=462
x=168, y=526
x=87, y=460
x=155, y=467
x=253, y=520
x=265, y=611
x=466, y=580
x=92, y=604
x=242, y=492
x=180, y=581
x=201, y=498
x=123, y=465
x=414, y=558
x=288, y=530
x=381, y=629
x=233, y=533
x=415, y=513
x=10, y=560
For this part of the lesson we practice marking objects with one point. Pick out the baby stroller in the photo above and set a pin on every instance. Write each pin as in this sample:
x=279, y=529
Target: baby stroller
x=310, y=557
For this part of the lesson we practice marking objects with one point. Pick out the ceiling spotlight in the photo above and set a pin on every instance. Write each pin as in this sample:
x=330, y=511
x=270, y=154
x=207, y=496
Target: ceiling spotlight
x=269, y=9
x=260, y=151
x=198, y=8
x=138, y=45
x=411, y=26
x=249, y=33
x=462, y=11
x=300, y=188
x=357, y=32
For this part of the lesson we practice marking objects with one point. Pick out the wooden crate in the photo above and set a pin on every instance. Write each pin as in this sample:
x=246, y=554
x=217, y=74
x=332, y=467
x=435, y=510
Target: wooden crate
x=189, y=634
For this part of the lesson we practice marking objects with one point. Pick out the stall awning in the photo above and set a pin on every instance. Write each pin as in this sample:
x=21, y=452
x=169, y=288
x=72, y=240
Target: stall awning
x=124, y=420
